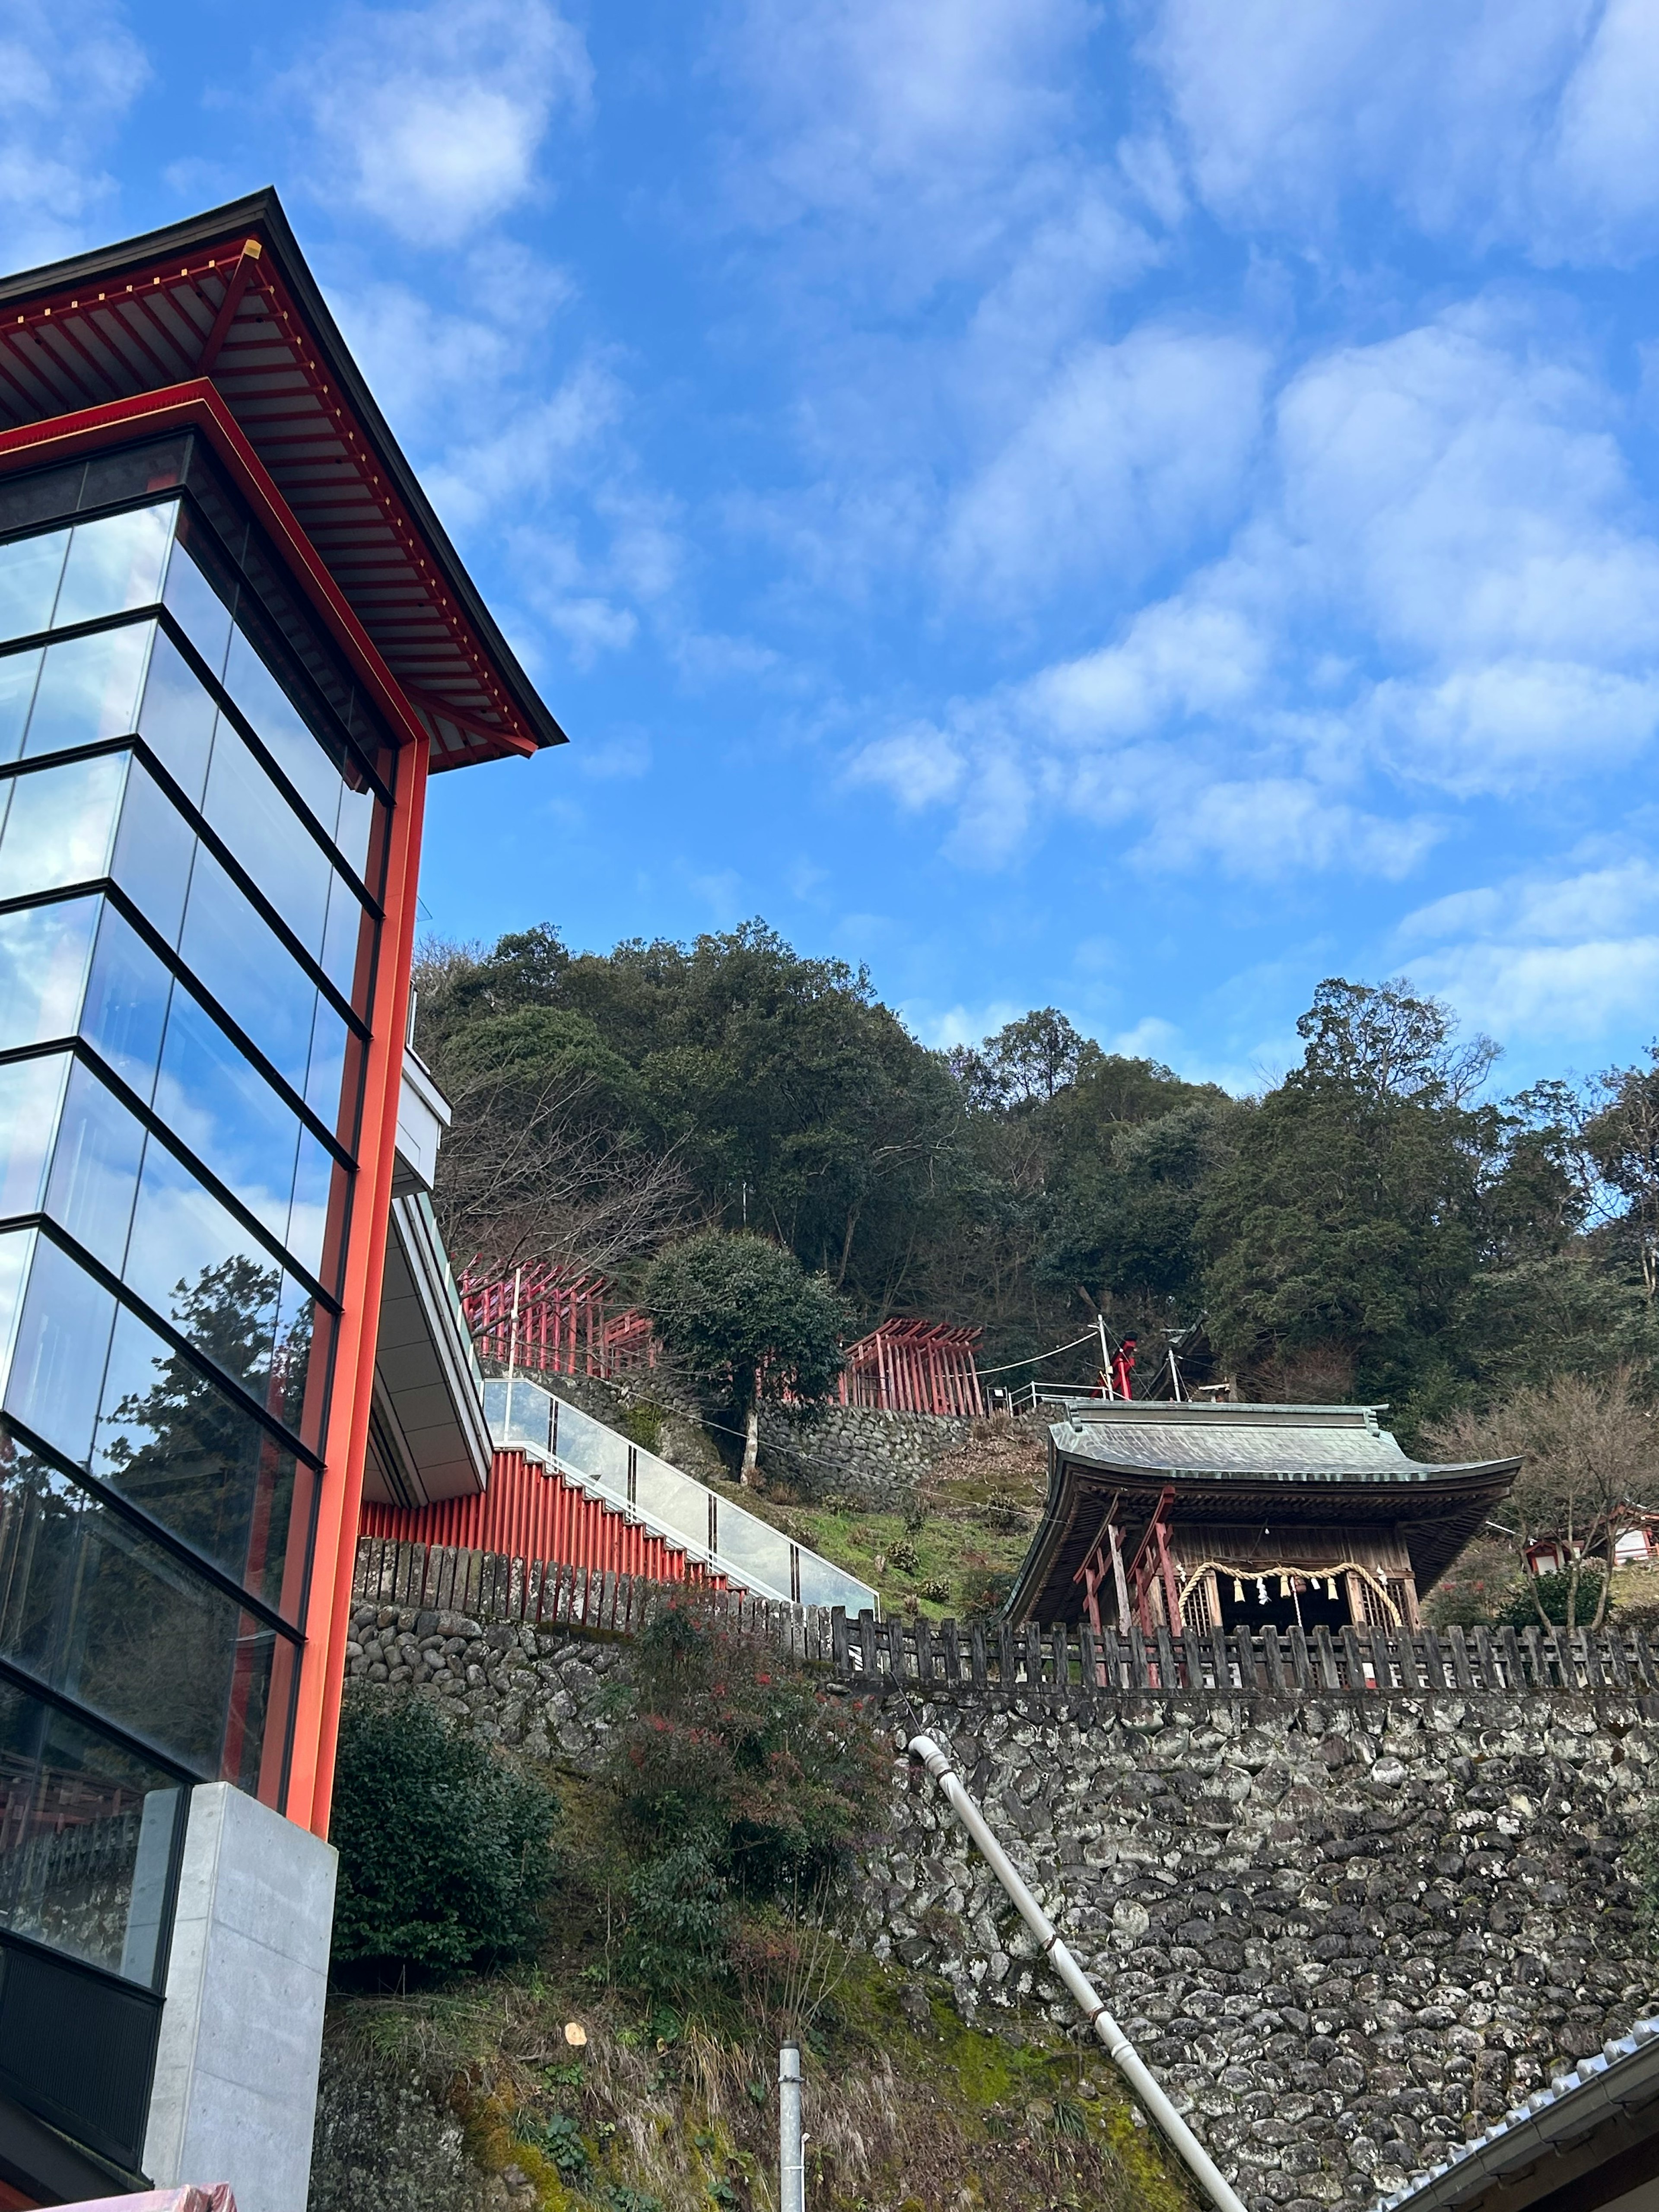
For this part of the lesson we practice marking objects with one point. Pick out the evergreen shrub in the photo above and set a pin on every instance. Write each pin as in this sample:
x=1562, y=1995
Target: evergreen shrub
x=447, y=1852
x=1552, y=1593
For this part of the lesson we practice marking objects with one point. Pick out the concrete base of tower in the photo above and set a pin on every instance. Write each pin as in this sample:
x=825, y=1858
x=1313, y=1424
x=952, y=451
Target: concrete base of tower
x=235, y=2094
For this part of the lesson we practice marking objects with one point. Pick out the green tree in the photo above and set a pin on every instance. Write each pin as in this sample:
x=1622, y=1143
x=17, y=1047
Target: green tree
x=749, y=1322
x=1623, y=1140
x=1344, y=1231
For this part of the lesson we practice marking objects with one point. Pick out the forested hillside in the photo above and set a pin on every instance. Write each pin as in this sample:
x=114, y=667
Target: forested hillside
x=1384, y=1224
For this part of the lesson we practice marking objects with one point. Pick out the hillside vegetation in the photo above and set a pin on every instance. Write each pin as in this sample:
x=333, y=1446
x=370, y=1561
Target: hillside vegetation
x=1381, y=1223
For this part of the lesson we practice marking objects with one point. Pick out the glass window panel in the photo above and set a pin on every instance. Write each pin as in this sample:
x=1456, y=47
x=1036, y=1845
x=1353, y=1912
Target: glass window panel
x=172, y=1443
x=349, y=945
x=192, y=1261
x=40, y=498
x=58, y=1368
x=29, y=571
x=114, y=563
x=100, y=1611
x=16, y=1249
x=72, y=1827
x=299, y=1364
x=286, y=734
x=320, y=1182
x=268, y=837
x=126, y=1002
x=136, y=469
x=94, y=1167
x=240, y=961
x=19, y=673
x=177, y=717
x=88, y=690
x=29, y=1092
x=325, y=1078
x=356, y=826
x=59, y=825
x=201, y=611
x=217, y=1103
x=154, y=853
x=43, y=966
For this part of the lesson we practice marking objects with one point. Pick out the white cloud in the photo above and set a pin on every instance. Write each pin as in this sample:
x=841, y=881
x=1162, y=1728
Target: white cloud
x=1448, y=586
x=1128, y=451
x=1273, y=829
x=920, y=765
x=68, y=76
x=530, y=447
x=959, y=1025
x=1187, y=656
x=869, y=107
x=432, y=120
x=1569, y=958
x=1536, y=122
x=419, y=360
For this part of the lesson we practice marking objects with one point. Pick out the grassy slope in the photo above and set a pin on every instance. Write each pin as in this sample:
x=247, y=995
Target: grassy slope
x=908, y=2108
x=975, y=1516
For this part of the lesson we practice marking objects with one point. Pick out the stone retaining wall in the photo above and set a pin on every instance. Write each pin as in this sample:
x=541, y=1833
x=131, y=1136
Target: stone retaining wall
x=1339, y=1926
x=855, y=1451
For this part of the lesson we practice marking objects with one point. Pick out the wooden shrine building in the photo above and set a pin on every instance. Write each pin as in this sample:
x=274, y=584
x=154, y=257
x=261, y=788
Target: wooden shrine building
x=1242, y=1516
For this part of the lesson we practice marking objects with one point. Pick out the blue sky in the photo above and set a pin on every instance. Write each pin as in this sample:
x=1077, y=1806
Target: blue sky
x=1130, y=507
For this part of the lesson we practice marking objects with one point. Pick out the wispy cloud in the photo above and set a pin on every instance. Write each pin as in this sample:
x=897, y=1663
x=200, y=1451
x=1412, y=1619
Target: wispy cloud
x=1532, y=123
x=1569, y=957
x=432, y=120
x=68, y=76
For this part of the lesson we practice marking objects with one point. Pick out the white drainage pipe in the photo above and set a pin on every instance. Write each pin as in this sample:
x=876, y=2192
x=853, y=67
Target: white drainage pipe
x=1121, y=2051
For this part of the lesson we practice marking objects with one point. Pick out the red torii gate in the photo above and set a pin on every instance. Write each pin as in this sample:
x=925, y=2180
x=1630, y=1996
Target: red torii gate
x=914, y=1367
x=561, y=1328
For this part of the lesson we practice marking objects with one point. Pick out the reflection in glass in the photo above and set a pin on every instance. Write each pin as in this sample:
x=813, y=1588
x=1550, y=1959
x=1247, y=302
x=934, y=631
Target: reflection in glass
x=126, y=1003
x=154, y=854
x=29, y=570
x=89, y=690
x=267, y=837
x=319, y=1180
x=58, y=1368
x=358, y=809
x=174, y=1445
x=29, y=1091
x=94, y=1167
x=16, y=1249
x=325, y=1075
x=283, y=731
x=177, y=718
x=201, y=611
x=99, y=1611
x=183, y=1238
x=59, y=825
x=217, y=1103
x=19, y=673
x=240, y=962
x=78, y=1842
x=114, y=564
x=43, y=964
x=349, y=945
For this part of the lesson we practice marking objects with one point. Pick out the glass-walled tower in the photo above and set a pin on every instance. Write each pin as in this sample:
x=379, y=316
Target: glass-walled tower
x=210, y=784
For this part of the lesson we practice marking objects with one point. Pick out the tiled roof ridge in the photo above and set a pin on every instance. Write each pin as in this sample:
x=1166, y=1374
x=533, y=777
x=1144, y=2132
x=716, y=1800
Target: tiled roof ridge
x=1613, y=2053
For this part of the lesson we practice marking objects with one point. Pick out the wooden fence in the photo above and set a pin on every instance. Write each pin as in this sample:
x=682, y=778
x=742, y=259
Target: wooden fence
x=922, y=1656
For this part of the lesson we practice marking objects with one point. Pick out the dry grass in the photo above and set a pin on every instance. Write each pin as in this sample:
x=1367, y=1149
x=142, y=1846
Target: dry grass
x=904, y=2109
